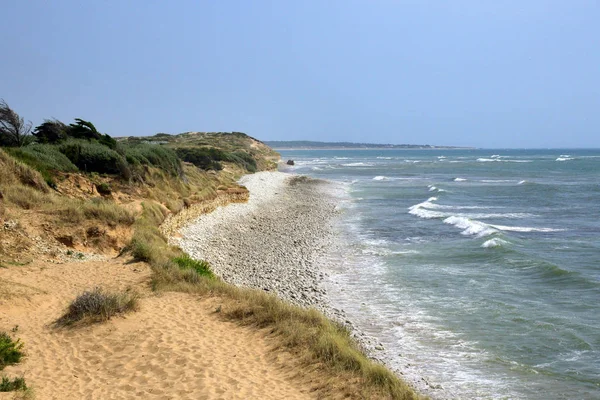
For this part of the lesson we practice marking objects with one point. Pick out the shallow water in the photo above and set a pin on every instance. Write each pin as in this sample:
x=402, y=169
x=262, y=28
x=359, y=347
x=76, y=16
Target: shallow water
x=478, y=270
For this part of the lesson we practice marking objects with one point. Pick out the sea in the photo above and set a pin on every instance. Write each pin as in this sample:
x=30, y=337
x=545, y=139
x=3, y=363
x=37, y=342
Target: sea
x=477, y=271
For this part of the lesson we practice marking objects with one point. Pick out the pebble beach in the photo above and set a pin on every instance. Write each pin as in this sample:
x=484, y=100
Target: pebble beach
x=273, y=242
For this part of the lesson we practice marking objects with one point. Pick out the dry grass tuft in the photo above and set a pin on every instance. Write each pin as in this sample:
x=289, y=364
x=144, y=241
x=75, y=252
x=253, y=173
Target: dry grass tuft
x=97, y=305
x=25, y=197
x=14, y=171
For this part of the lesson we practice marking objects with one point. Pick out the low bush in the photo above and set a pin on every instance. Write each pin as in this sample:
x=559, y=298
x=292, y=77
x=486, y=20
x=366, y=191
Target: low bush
x=95, y=157
x=210, y=158
x=12, y=385
x=44, y=158
x=201, y=267
x=206, y=158
x=11, y=351
x=242, y=159
x=152, y=155
x=97, y=305
x=103, y=188
x=14, y=171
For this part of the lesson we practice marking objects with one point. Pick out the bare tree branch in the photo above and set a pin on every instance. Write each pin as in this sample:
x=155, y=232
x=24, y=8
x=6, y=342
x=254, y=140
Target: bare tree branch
x=14, y=131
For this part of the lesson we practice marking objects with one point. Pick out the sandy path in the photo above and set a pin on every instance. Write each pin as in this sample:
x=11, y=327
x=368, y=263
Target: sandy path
x=174, y=347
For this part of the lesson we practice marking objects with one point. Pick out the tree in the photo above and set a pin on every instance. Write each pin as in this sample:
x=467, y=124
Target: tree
x=83, y=130
x=14, y=131
x=86, y=130
x=51, y=131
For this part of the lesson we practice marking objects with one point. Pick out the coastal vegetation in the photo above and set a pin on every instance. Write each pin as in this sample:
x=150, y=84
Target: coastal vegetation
x=11, y=352
x=98, y=305
x=94, y=193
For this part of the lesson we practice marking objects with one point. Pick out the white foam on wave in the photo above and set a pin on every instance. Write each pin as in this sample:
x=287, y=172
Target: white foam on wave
x=435, y=189
x=428, y=211
x=358, y=164
x=317, y=168
x=525, y=229
x=470, y=227
x=396, y=178
x=420, y=210
x=384, y=158
x=499, y=215
x=341, y=158
x=469, y=222
x=496, y=180
x=522, y=182
x=561, y=158
x=446, y=207
x=493, y=243
x=386, y=252
x=441, y=157
x=500, y=160
x=459, y=179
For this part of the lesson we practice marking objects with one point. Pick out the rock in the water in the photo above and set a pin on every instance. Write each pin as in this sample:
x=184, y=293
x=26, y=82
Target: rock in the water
x=290, y=162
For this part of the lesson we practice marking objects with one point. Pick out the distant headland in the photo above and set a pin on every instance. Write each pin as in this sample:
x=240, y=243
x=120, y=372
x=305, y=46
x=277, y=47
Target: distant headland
x=311, y=145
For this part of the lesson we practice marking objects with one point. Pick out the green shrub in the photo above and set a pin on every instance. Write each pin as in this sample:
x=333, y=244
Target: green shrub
x=203, y=157
x=8, y=385
x=108, y=141
x=152, y=155
x=44, y=158
x=98, y=305
x=14, y=171
x=201, y=267
x=243, y=159
x=209, y=158
x=103, y=188
x=94, y=157
x=11, y=351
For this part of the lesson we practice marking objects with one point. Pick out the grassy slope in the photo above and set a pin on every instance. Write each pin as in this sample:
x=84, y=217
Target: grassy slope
x=139, y=209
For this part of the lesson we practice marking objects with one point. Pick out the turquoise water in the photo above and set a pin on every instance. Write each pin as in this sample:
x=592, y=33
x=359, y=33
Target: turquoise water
x=478, y=270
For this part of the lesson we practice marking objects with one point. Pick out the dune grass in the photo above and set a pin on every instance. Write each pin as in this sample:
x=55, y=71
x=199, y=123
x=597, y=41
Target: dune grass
x=97, y=305
x=11, y=351
x=12, y=385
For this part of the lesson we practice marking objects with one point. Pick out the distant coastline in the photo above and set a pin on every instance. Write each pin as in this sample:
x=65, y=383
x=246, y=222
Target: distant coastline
x=311, y=145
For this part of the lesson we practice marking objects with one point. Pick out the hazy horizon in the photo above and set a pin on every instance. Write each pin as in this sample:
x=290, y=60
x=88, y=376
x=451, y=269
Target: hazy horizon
x=476, y=74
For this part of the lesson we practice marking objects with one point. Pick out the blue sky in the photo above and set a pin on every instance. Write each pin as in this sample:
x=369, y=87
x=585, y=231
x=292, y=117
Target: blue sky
x=474, y=73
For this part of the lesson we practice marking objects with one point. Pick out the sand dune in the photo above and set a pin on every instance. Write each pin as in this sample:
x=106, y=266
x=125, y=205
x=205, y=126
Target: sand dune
x=174, y=347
